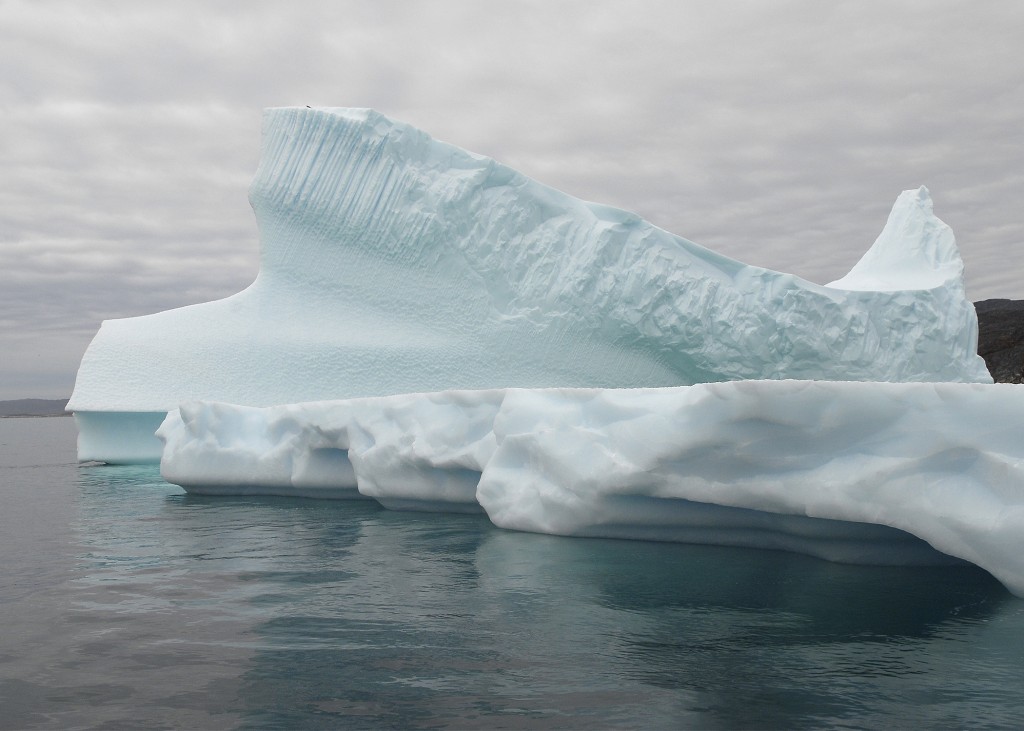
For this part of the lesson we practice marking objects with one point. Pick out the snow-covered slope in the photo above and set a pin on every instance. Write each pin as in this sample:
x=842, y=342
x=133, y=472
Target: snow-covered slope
x=392, y=263
x=825, y=468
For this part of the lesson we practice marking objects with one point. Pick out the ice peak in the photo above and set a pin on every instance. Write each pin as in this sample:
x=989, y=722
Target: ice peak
x=915, y=251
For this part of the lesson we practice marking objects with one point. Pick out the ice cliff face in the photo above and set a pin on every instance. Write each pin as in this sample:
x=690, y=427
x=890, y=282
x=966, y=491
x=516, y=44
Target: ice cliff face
x=391, y=262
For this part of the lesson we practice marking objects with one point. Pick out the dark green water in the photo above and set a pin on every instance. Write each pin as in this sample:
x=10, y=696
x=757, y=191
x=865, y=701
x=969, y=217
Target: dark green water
x=125, y=603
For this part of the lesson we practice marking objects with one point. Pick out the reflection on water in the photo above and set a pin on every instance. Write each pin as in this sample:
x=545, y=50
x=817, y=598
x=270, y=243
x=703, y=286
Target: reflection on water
x=174, y=610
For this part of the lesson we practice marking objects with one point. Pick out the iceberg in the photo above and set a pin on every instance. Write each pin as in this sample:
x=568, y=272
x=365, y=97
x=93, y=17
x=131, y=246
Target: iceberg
x=434, y=331
x=393, y=263
x=876, y=473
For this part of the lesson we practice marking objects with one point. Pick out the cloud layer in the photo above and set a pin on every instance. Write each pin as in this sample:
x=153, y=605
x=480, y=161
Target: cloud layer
x=777, y=133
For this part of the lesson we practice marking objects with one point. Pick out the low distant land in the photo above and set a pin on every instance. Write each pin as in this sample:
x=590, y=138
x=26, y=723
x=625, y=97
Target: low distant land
x=23, y=407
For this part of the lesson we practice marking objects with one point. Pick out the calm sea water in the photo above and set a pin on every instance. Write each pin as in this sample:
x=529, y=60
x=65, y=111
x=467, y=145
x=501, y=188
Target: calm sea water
x=125, y=603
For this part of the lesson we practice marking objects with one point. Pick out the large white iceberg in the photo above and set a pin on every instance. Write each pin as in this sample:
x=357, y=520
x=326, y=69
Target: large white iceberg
x=394, y=263
x=841, y=470
x=435, y=331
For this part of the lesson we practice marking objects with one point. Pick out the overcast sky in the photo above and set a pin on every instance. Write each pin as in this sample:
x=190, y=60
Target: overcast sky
x=778, y=133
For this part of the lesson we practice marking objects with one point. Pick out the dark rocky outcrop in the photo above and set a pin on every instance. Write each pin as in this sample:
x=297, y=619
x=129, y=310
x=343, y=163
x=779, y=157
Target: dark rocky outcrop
x=1001, y=338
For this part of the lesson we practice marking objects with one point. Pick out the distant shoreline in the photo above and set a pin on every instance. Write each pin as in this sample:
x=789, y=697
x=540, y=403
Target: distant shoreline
x=32, y=407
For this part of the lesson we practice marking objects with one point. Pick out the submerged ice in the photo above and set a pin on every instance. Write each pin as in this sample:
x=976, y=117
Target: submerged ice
x=435, y=331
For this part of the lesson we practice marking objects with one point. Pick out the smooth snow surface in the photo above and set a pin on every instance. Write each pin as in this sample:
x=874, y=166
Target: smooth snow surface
x=394, y=263
x=750, y=463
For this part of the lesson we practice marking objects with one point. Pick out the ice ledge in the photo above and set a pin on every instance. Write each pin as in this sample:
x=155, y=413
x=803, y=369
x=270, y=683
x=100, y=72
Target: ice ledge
x=754, y=463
